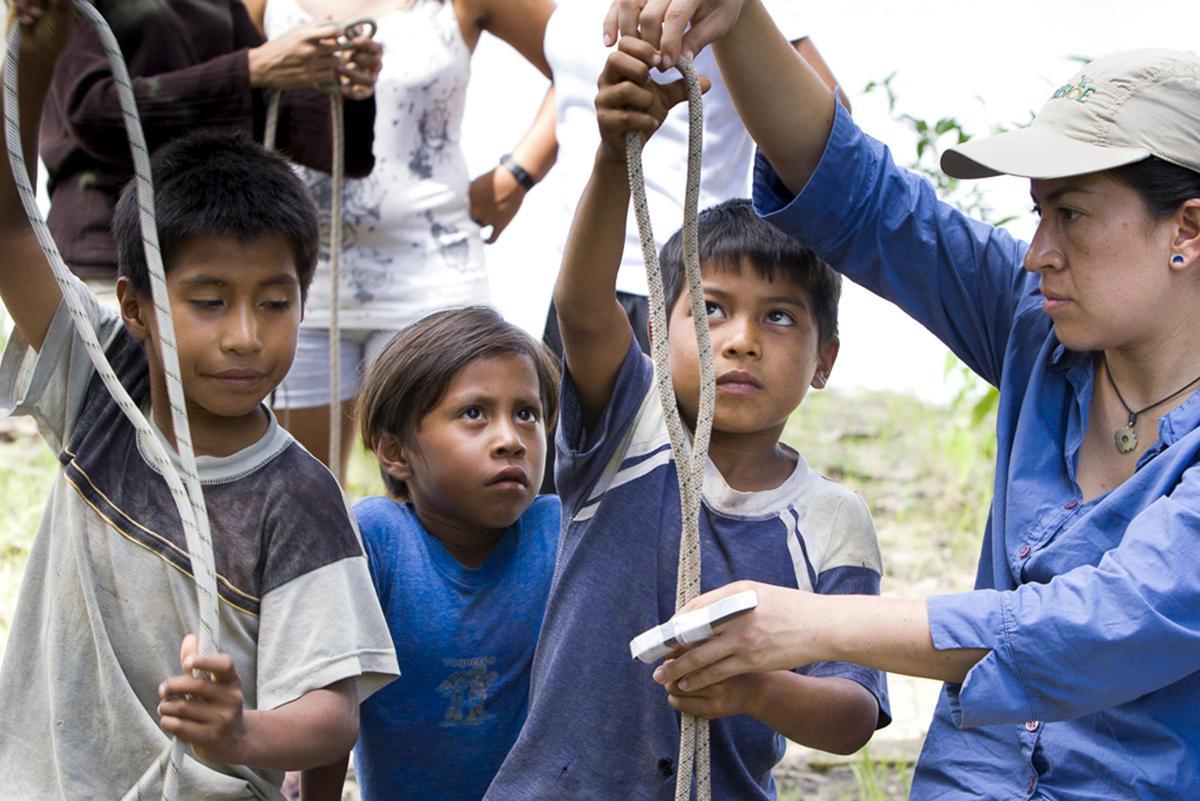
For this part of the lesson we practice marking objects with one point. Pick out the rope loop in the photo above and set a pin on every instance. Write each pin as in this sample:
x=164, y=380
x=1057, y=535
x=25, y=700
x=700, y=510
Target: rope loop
x=361, y=26
x=690, y=459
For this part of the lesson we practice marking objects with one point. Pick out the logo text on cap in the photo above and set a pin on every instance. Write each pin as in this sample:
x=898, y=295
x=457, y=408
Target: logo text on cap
x=1079, y=92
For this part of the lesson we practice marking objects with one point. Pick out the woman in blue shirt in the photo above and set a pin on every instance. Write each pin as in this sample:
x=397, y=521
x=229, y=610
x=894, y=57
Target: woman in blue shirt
x=1073, y=670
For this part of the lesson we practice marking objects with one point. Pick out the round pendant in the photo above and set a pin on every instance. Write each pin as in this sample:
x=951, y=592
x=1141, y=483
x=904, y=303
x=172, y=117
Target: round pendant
x=1125, y=439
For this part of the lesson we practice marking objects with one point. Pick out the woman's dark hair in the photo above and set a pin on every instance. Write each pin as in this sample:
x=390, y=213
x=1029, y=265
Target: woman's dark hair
x=732, y=233
x=1163, y=186
x=413, y=371
x=217, y=183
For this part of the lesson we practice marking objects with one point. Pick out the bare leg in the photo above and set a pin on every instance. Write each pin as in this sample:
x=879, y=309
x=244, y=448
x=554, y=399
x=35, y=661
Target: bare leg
x=311, y=427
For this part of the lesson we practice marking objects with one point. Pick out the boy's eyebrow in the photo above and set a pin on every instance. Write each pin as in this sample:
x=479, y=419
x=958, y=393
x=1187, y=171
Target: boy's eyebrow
x=776, y=299
x=201, y=280
x=286, y=279
x=788, y=299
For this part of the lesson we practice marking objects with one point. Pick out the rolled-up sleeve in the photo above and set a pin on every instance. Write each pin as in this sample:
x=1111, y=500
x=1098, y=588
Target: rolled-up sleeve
x=1090, y=639
x=884, y=228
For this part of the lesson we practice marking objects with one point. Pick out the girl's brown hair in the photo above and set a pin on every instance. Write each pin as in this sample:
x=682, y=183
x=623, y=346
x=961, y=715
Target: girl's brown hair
x=412, y=372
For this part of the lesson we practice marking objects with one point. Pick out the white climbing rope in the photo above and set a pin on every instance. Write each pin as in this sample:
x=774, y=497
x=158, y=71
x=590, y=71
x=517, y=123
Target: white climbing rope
x=185, y=490
x=689, y=461
x=350, y=30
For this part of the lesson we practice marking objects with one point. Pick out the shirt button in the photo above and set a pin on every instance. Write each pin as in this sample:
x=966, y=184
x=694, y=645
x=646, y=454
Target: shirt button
x=1070, y=504
x=1032, y=725
x=1023, y=551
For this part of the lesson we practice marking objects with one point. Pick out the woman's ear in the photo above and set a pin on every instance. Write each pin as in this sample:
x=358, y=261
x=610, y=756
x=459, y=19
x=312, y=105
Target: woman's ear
x=1187, y=235
x=136, y=312
x=393, y=457
x=826, y=356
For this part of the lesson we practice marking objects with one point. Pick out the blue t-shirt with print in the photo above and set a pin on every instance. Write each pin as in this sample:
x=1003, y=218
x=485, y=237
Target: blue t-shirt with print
x=464, y=640
x=599, y=727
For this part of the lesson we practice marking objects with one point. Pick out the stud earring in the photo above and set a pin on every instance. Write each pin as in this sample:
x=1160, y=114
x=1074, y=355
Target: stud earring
x=1177, y=260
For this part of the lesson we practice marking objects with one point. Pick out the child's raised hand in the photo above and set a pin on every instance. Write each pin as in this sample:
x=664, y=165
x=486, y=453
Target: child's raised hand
x=678, y=27
x=739, y=695
x=204, y=706
x=629, y=101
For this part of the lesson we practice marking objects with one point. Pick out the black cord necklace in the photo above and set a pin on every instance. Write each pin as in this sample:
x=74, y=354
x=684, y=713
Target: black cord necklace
x=1124, y=437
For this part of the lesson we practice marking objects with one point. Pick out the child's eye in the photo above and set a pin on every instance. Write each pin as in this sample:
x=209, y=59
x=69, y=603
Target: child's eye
x=472, y=413
x=528, y=415
x=205, y=303
x=779, y=317
x=1068, y=214
x=713, y=310
x=278, y=305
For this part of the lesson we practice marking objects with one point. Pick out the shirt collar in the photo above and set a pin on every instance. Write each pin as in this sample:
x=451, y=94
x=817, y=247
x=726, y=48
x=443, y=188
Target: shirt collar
x=1080, y=369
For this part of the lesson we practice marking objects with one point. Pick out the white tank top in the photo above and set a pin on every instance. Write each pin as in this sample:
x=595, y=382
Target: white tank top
x=410, y=246
x=577, y=54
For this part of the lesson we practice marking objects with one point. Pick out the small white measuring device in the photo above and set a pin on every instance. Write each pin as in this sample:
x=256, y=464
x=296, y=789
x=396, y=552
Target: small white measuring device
x=690, y=627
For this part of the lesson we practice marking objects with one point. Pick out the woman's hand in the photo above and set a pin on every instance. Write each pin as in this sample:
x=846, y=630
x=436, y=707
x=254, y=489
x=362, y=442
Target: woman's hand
x=495, y=198
x=359, y=67
x=778, y=634
x=664, y=24
x=306, y=57
x=629, y=101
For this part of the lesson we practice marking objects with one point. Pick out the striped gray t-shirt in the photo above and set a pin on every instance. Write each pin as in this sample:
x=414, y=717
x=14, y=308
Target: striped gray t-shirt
x=108, y=593
x=599, y=727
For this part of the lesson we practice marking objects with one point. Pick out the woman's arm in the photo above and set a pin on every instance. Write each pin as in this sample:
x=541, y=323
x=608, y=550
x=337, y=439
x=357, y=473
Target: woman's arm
x=791, y=628
x=496, y=195
x=258, y=12
x=812, y=56
x=1092, y=638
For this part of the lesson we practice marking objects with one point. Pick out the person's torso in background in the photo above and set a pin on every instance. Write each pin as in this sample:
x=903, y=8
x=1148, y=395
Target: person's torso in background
x=577, y=54
x=409, y=244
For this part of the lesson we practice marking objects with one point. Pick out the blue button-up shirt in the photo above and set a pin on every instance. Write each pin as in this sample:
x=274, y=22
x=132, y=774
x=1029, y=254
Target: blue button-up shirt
x=1090, y=609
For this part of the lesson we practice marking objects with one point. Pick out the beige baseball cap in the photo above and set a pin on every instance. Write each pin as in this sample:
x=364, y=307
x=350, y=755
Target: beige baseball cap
x=1117, y=110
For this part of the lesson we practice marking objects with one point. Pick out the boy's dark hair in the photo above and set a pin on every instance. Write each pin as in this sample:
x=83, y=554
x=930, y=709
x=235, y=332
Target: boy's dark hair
x=732, y=233
x=217, y=183
x=413, y=371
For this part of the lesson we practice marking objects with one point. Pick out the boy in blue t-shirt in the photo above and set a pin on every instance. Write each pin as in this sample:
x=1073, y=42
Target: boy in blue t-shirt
x=599, y=726
x=461, y=552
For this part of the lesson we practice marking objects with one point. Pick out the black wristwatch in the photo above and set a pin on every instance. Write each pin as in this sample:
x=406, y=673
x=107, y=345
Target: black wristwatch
x=518, y=172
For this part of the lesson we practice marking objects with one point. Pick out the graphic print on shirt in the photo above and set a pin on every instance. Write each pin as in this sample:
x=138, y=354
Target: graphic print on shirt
x=467, y=690
x=433, y=127
x=451, y=241
x=362, y=204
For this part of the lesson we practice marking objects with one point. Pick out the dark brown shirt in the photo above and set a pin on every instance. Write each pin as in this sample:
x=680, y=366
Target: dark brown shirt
x=188, y=62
